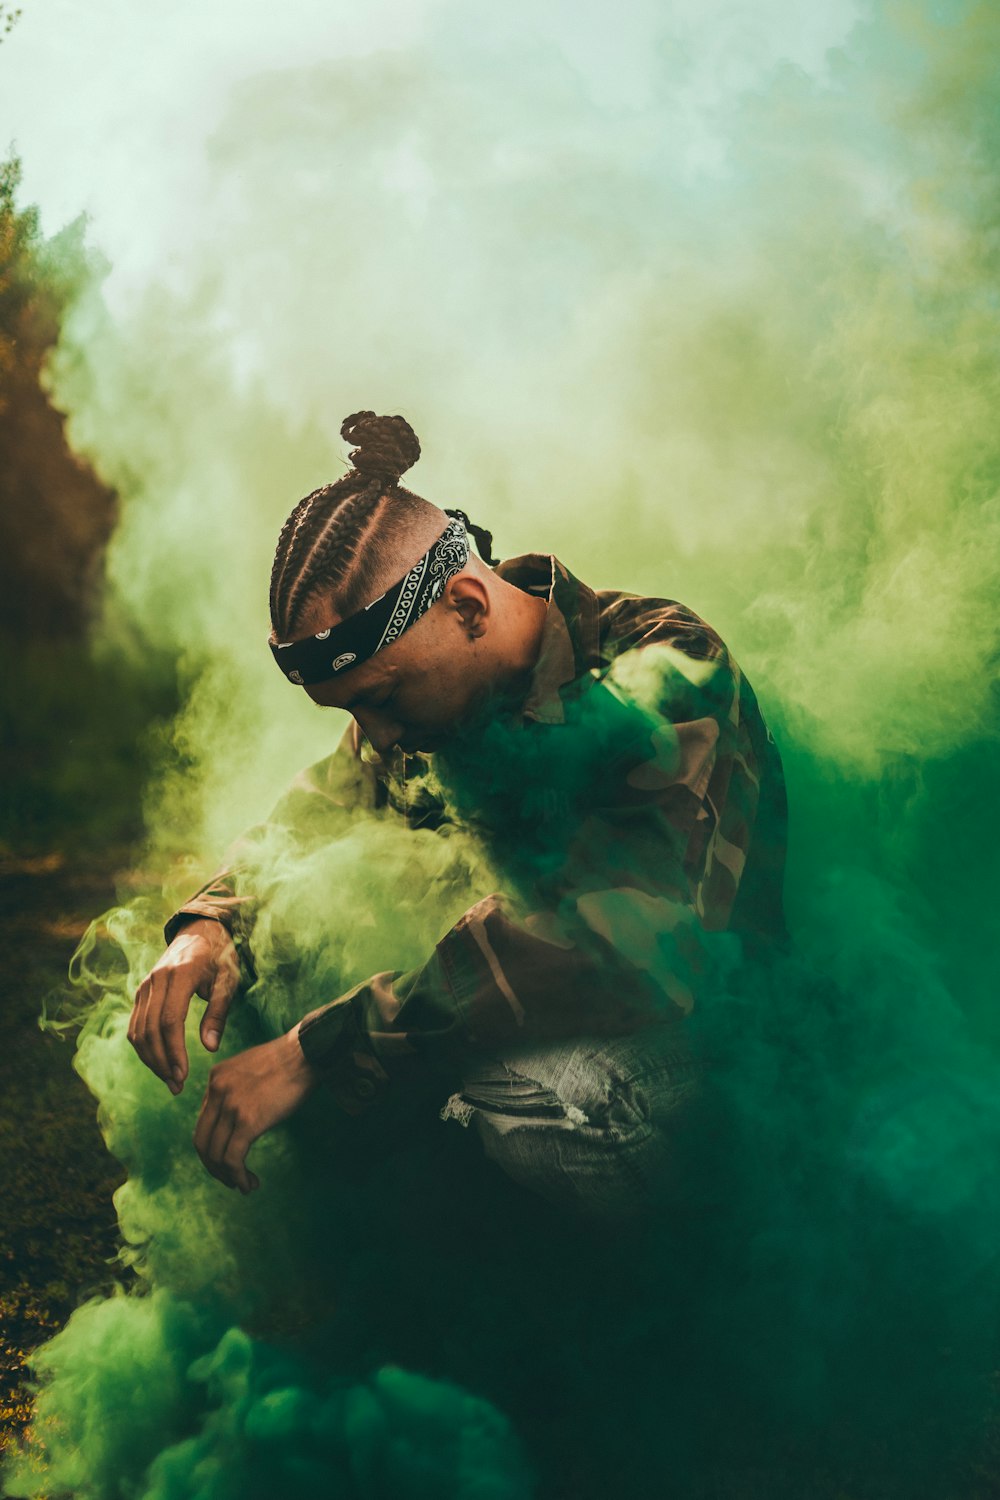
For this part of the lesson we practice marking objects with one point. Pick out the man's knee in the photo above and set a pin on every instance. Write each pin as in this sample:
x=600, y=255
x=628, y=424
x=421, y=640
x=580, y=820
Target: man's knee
x=592, y=1127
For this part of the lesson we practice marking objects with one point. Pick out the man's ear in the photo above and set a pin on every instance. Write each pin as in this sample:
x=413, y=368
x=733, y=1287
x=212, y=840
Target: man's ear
x=470, y=598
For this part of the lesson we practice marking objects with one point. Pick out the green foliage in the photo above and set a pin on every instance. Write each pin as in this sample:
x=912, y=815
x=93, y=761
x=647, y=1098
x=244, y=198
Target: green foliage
x=74, y=726
x=19, y=241
x=55, y=515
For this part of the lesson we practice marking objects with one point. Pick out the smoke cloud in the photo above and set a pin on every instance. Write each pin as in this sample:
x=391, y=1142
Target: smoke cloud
x=705, y=303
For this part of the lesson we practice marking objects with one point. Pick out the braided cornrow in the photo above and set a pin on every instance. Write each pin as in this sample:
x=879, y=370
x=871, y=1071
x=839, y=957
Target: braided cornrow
x=286, y=547
x=326, y=545
x=329, y=553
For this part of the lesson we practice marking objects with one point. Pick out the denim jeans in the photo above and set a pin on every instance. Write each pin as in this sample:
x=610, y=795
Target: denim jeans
x=589, y=1123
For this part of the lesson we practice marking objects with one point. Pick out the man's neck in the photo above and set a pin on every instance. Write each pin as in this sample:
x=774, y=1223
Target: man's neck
x=528, y=628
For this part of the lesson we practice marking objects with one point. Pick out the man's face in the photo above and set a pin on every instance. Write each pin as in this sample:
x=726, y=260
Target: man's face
x=417, y=692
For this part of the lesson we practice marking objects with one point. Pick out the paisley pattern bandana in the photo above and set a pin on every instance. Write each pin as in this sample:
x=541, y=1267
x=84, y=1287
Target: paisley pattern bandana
x=317, y=658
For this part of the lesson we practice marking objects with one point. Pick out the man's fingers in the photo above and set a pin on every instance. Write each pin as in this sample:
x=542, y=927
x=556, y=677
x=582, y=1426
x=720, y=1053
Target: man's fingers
x=137, y=1004
x=218, y=1145
x=212, y=1109
x=192, y=964
x=173, y=1014
x=144, y=1032
x=213, y=1022
x=137, y=1020
x=156, y=1026
x=235, y=1159
x=247, y=1095
x=154, y=1053
x=138, y=998
x=222, y=1140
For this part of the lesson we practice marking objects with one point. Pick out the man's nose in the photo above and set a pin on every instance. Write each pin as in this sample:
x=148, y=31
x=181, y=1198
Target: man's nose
x=380, y=731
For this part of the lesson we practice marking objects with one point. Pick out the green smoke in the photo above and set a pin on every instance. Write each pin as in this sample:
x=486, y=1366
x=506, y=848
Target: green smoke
x=763, y=379
x=227, y=1416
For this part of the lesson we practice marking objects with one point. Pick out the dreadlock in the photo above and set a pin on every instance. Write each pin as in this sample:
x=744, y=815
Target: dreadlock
x=337, y=539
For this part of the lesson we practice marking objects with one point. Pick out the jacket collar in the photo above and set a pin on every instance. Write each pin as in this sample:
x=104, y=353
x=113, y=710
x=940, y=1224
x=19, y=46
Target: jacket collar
x=570, y=636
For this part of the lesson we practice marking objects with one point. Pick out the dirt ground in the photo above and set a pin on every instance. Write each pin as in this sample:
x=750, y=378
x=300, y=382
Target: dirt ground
x=59, y=1235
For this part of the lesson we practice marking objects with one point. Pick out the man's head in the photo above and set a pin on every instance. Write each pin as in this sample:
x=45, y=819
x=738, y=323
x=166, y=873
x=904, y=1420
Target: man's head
x=344, y=545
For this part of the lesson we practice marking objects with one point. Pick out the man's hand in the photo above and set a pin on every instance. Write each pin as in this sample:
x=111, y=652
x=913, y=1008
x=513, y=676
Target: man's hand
x=201, y=960
x=246, y=1096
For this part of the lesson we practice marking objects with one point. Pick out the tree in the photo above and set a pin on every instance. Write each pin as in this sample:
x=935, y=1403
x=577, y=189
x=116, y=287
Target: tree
x=8, y=19
x=55, y=515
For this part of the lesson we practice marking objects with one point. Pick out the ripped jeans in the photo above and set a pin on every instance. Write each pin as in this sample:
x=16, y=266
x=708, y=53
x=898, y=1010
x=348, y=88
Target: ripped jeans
x=589, y=1123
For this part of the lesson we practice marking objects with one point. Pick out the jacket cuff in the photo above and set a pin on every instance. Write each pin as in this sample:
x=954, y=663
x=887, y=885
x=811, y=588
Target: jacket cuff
x=335, y=1043
x=191, y=913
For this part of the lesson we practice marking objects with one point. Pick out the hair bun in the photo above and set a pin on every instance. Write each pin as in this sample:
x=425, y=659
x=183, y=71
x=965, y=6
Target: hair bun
x=386, y=446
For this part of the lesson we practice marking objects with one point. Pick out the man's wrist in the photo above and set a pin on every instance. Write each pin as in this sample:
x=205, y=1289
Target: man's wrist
x=211, y=928
x=300, y=1066
x=223, y=932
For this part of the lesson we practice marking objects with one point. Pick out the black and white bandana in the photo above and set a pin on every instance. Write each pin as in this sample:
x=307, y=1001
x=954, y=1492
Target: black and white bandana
x=354, y=640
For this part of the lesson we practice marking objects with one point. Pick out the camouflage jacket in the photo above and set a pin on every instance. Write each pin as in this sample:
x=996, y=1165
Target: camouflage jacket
x=679, y=828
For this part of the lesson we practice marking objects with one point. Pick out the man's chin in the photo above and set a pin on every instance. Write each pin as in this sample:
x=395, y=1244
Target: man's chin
x=480, y=713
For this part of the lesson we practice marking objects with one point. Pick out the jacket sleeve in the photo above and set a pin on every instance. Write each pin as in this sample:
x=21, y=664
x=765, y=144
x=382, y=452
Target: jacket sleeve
x=654, y=862
x=323, y=798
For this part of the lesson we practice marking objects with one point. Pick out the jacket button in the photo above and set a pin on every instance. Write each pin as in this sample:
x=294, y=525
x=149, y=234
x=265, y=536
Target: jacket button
x=364, y=1088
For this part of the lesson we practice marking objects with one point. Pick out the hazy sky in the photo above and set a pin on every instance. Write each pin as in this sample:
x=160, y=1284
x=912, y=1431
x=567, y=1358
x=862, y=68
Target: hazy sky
x=111, y=104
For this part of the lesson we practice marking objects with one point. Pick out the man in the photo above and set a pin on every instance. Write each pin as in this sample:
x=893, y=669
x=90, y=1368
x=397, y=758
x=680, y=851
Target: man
x=612, y=758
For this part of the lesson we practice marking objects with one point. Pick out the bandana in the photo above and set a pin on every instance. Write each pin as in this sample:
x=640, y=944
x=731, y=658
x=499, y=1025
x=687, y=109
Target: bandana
x=354, y=640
